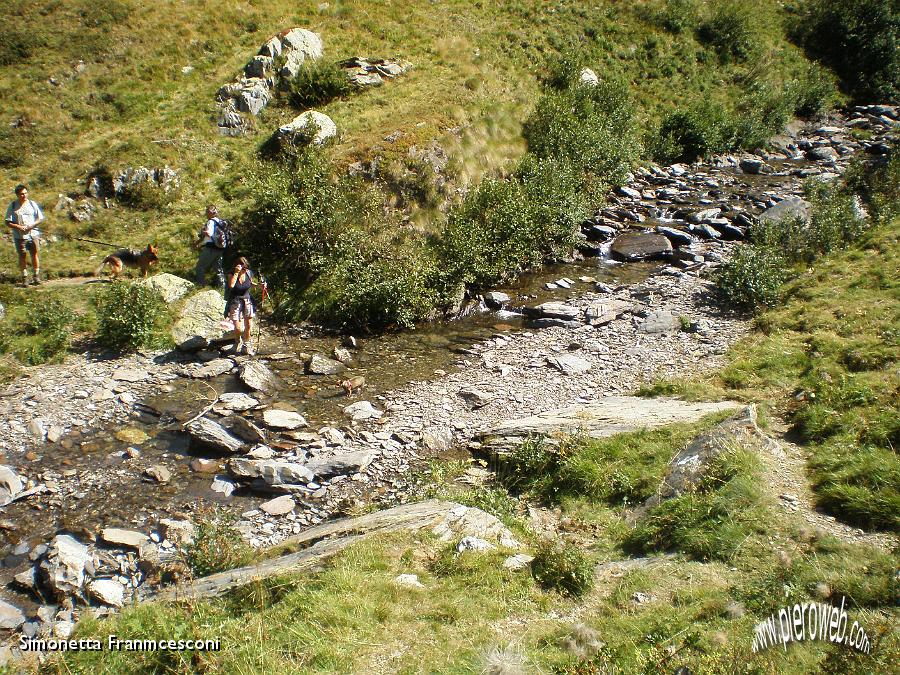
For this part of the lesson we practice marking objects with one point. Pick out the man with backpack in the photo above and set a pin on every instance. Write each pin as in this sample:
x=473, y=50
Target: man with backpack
x=212, y=242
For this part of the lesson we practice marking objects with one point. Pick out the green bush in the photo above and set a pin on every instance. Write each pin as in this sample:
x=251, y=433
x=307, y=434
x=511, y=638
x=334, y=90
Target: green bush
x=147, y=196
x=218, y=544
x=763, y=112
x=564, y=69
x=128, y=316
x=504, y=226
x=317, y=83
x=41, y=333
x=687, y=134
x=730, y=31
x=329, y=251
x=814, y=92
x=678, y=16
x=562, y=567
x=18, y=44
x=591, y=129
x=835, y=222
x=877, y=182
x=752, y=278
x=371, y=285
x=859, y=40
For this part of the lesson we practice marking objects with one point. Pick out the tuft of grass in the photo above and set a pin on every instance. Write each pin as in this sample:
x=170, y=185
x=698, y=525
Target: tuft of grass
x=217, y=544
x=317, y=83
x=563, y=567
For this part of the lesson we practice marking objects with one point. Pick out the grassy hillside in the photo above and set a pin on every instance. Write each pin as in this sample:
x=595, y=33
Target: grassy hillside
x=475, y=67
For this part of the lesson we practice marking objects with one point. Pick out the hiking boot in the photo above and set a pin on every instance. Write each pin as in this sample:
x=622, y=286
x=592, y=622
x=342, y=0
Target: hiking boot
x=249, y=351
x=36, y=281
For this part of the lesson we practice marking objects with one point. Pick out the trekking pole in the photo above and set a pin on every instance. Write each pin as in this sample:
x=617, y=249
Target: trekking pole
x=263, y=298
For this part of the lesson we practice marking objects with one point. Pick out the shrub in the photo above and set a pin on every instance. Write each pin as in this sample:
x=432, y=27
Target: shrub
x=835, y=221
x=147, y=196
x=877, y=182
x=42, y=334
x=730, y=31
x=814, y=92
x=564, y=70
x=369, y=285
x=317, y=83
x=18, y=44
x=562, y=567
x=504, y=226
x=859, y=40
x=763, y=112
x=687, y=134
x=128, y=315
x=678, y=16
x=591, y=129
x=217, y=545
x=330, y=252
x=752, y=278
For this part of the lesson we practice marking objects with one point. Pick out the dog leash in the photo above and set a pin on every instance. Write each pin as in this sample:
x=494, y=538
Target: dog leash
x=94, y=241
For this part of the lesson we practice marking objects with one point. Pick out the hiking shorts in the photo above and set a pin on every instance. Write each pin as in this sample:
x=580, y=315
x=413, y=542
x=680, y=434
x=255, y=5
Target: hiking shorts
x=25, y=246
x=241, y=309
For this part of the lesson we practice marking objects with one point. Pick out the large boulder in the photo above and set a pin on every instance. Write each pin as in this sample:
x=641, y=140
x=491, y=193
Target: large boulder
x=322, y=365
x=344, y=463
x=199, y=318
x=634, y=247
x=257, y=376
x=792, y=207
x=602, y=418
x=688, y=467
x=63, y=568
x=308, y=127
x=170, y=287
x=213, y=436
x=270, y=471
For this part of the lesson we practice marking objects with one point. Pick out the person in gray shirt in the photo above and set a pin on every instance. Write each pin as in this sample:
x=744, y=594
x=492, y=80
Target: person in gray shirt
x=210, y=254
x=23, y=215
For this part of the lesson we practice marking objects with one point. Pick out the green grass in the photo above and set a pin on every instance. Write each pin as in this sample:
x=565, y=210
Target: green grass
x=826, y=359
x=351, y=616
x=473, y=83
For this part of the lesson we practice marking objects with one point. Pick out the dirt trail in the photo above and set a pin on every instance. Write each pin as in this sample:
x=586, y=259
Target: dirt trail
x=786, y=478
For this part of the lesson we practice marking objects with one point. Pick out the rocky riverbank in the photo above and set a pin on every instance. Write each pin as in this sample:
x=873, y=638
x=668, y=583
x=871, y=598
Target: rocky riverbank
x=248, y=444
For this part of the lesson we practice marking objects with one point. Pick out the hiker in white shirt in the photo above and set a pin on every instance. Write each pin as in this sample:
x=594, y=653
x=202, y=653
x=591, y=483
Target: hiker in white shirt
x=23, y=216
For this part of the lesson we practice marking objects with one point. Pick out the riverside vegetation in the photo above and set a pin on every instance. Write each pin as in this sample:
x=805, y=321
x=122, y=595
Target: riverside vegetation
x=822, y=354
x=718, y=558
x=389, y=267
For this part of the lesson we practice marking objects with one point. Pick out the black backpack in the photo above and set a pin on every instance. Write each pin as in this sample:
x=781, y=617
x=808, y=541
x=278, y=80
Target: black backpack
x=223, y=235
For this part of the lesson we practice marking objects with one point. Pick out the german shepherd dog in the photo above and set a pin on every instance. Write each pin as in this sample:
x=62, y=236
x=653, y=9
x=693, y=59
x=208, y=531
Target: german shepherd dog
x=128, y=257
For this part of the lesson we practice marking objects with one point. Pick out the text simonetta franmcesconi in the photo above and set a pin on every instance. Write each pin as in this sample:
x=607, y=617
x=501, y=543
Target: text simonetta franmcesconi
x=113, y=643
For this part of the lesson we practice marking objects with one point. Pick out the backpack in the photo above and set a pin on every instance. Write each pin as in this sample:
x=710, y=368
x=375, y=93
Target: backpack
x=223, y=234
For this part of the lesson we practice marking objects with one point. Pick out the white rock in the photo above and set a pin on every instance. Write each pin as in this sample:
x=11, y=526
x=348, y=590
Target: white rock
x=311, y=126
x=588, y=78
x=517, y=562
x=362, y=410
x=119, y=537
x=473, y=544
x=278, y=506
x=107, y=591
x=283, y=419
x=409, y=580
